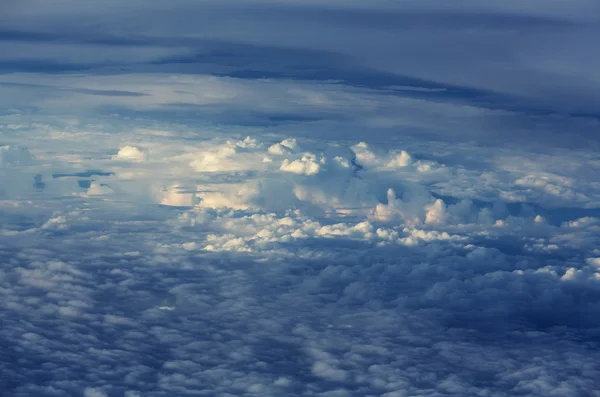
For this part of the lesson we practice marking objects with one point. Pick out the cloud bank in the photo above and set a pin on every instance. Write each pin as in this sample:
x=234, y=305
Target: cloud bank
x=270, y=265
x=292, y=198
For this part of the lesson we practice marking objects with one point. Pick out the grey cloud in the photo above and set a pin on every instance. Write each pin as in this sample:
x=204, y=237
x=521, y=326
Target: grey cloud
x=367, y=322
x=292, y=198
x=498, y=48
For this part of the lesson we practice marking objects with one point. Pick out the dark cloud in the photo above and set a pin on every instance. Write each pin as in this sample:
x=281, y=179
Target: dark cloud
x=501, y=51
x=384, y=320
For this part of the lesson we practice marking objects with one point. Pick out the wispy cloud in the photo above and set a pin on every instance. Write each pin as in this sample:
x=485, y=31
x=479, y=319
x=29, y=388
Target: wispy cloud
x=502, y=49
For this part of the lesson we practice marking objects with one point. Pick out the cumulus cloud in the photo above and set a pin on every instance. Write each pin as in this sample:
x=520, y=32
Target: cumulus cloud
x=286, y=146
x=176, y=196
x=436, y=212
x=94, y=392
x=14, y=156
x=130, y=153
x=242, y=260
x=228, y=157
x=308, y=164
x=97, y=189
x=412, y=208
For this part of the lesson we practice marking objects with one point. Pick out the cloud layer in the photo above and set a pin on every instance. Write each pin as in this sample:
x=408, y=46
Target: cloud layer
x=270, y=265
x=534, y=58
x=292, y=198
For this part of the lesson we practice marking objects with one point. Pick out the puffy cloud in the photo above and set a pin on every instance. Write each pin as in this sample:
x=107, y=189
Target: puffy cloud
x=14, y=156
x=97, y=189
x=436, y=212
x=130, y=153
x=286, y=146
x=94, y=392
x=300, y=213
x=411, y=208
x=309, y=164
x=18, y=172
x=593, y=261
x=243, y=155
x=236, y=196
x=175, y=196
x=328, y=372
x=364, y=278
x=402, y=159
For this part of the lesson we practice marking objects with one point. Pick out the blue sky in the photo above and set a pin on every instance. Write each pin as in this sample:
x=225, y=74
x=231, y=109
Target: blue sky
x=285, y=198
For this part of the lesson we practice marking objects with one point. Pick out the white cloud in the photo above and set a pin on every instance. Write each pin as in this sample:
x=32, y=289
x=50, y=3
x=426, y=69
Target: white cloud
x=309, y=164
x=370, y=277
x=436, y=212
x=593, y=261
x=97, y=189
x=286, y=146
x=176, y=196
x=130, y=153
x=230, y=156
x=402, y=159
x=410, y=210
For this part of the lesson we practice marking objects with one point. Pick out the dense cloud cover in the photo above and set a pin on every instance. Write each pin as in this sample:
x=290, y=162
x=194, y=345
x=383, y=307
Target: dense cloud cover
x=292, y=198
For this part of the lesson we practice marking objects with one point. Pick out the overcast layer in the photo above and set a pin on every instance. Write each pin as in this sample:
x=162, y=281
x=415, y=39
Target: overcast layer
x=285, y=198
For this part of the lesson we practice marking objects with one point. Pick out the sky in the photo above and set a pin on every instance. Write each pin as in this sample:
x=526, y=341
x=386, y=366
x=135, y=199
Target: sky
x=299, y=198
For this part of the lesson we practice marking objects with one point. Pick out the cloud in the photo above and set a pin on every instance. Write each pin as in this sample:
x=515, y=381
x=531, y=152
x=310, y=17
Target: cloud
x=176, y=196
x=130, y=153
x=436, y=213
x=97, y=189
x=389, y=308
x=92, y=392
x=307, y=165
x=472, y=45
x=270, y=209
x=326, y=371
x=285, y=147
x=14, y=156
